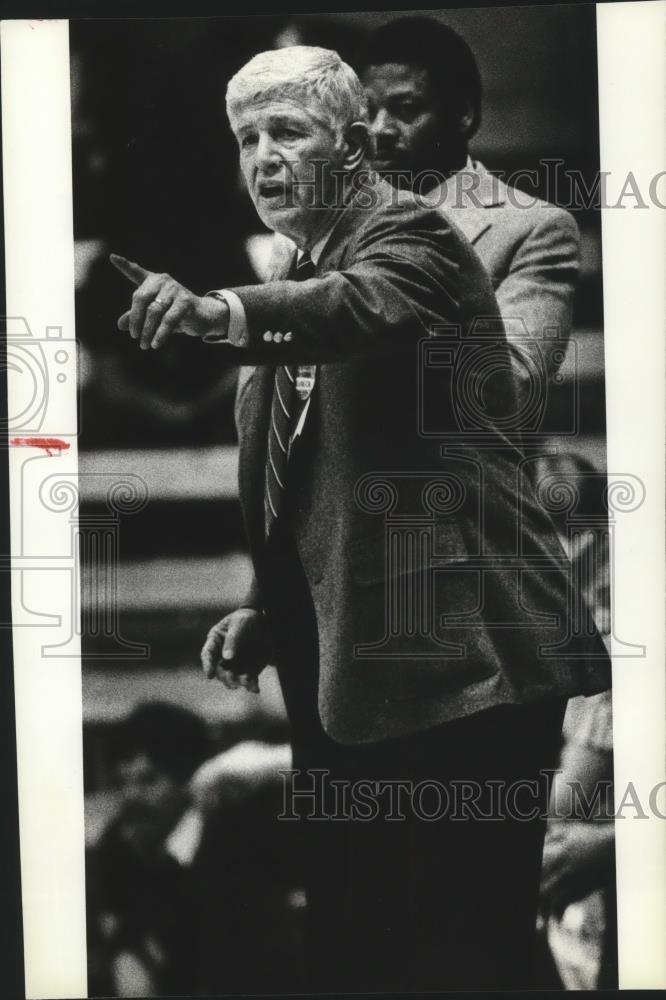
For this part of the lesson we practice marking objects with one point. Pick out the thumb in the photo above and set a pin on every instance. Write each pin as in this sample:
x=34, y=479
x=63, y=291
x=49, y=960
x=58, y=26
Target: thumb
x=134, y=272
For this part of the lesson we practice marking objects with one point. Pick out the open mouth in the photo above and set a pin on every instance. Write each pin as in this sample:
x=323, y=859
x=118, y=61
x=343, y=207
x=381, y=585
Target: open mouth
x=273, y=191
x=386, y=161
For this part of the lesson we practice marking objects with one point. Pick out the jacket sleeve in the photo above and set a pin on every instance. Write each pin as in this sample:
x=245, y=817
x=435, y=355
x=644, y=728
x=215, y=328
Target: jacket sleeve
x=400, y=277
x=538, y=290
x=253, y=597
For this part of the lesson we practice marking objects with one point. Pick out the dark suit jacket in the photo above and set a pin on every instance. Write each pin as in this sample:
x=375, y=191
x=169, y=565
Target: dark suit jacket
x=439, y=585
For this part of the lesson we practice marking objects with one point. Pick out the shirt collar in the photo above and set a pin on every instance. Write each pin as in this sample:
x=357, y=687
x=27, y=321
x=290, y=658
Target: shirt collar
x=470, y=167
x=454, y=192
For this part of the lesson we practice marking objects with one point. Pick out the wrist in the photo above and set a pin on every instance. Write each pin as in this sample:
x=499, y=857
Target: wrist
x=215, y=315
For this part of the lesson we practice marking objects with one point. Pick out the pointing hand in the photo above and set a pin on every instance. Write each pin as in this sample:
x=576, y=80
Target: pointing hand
x=162, y=306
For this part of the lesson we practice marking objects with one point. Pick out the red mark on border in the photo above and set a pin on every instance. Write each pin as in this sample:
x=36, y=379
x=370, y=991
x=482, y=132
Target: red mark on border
x=49, y=444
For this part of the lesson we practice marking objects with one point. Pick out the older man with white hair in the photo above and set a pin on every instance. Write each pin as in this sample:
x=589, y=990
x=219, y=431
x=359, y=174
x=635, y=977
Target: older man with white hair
x=408, y=586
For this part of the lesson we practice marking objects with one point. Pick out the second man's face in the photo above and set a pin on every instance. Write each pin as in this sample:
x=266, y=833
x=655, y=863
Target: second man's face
x=404, y=116
x=288, y=157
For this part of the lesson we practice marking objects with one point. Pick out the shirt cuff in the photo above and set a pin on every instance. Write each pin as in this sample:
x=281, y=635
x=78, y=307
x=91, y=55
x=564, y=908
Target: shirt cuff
x=237, y=330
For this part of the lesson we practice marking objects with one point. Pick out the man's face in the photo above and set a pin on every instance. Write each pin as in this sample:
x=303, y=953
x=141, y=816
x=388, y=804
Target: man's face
x=406, y=119
x=152, y=799
x=288, y=155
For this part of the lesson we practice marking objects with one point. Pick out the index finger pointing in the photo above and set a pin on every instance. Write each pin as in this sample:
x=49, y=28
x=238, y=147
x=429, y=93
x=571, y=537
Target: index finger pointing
x=134, y=272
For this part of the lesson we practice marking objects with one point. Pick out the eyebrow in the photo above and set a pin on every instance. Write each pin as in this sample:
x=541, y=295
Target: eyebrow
x=403, y=93
x=277, y=119
x=282, y=118
x=285, y=119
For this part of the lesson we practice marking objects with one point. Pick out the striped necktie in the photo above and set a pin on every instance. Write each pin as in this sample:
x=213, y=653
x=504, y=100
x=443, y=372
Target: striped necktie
x=285, y=409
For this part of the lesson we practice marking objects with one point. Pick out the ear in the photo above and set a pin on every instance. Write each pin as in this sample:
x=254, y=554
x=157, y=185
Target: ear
x=356, y=143
x=466, y=118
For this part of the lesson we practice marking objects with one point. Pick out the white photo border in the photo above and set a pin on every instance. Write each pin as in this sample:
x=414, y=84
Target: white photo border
x=40, y=288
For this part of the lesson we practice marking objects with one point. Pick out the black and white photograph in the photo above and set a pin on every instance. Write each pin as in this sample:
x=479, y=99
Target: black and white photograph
x=332, y=496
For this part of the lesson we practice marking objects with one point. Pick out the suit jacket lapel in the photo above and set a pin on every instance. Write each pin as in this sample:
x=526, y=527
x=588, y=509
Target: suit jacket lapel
x=253, y=442
x=282, y=262
x=349, y=220
x=258, y=392
x=254, y=412
x=467, y=202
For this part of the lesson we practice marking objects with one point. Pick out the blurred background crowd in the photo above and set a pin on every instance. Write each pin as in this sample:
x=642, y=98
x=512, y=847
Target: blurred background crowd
x=193, y=885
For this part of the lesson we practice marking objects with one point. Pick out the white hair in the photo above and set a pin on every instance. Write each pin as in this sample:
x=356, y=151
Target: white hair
x=301, y=73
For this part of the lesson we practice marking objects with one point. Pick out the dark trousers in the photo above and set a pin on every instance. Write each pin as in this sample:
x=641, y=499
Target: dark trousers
x=428, y=885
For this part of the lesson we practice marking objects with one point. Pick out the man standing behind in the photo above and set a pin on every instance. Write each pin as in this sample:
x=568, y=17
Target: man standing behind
x=424, y=95
x=439, y=656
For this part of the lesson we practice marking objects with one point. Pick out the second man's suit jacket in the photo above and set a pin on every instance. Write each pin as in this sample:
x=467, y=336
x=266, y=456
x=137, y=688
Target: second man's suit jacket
x=530, y=249
x=438, y=582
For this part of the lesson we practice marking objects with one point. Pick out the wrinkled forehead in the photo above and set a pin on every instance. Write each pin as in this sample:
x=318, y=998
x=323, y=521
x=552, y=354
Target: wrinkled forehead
x=260, y=109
